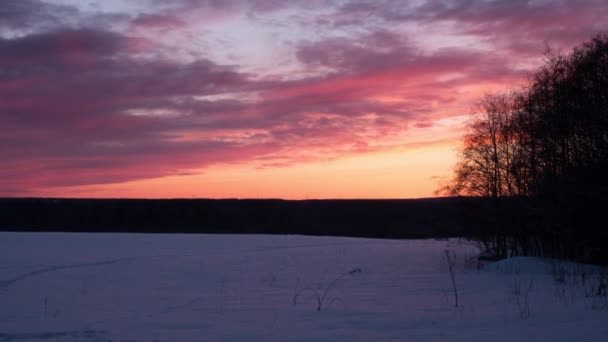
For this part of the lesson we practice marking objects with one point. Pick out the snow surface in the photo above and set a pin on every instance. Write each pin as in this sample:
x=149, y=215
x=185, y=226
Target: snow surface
x=137, y=287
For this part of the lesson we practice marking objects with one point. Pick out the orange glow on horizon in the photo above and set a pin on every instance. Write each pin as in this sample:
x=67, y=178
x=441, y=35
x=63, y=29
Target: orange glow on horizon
x=398, y=173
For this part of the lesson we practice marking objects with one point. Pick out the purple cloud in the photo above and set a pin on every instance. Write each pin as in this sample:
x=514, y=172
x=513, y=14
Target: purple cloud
x=108, y=102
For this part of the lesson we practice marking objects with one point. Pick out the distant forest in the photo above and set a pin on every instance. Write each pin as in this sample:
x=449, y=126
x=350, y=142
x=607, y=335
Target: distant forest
x=441, y=217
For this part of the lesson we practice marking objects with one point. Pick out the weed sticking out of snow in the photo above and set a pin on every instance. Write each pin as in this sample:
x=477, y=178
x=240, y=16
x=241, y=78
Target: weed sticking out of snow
x=450, y=258
x=521, y=289
x=323, y=291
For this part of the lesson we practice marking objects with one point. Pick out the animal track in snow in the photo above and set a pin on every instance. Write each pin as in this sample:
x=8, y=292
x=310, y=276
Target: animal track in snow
x=8, y=282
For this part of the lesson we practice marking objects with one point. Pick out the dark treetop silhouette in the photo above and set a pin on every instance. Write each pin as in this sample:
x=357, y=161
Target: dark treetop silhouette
x=547, y=142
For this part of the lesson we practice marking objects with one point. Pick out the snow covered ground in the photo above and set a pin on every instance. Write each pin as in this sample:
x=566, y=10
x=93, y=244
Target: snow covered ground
x=133, y=287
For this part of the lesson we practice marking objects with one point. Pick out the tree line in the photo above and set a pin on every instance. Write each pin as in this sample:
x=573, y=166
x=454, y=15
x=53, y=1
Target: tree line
x=546, y=142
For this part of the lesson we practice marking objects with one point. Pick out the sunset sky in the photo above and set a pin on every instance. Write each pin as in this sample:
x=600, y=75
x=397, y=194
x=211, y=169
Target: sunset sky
x=261, y=98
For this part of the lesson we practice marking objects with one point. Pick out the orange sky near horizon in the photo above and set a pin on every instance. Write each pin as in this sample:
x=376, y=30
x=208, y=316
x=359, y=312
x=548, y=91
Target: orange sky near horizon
x=400, y=173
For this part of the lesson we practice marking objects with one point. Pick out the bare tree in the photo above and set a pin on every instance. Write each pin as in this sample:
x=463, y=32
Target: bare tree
x=547, y=141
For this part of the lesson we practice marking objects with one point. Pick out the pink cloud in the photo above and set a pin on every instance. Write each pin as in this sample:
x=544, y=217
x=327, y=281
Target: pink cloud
x=157, y=21
x=81, y=111
x=93, y=105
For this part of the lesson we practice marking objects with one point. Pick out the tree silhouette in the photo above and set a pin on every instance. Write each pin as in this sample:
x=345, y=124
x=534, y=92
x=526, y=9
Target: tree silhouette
x=546, y=141
x=524, y=143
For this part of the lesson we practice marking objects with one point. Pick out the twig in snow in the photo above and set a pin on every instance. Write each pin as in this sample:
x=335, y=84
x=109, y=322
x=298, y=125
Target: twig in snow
x=451, y=260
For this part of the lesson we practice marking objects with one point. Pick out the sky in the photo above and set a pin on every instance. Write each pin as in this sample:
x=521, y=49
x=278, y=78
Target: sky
x=292, y=99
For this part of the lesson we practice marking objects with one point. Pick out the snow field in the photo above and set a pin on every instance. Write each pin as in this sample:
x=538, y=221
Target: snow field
x=137, y=287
